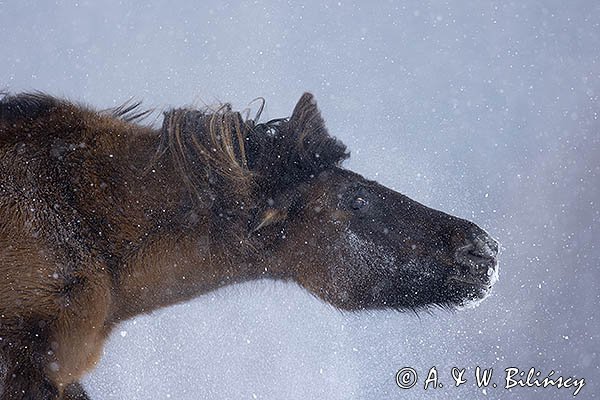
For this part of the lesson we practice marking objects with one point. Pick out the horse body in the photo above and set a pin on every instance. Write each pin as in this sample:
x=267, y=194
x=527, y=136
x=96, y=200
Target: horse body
x=102, y=219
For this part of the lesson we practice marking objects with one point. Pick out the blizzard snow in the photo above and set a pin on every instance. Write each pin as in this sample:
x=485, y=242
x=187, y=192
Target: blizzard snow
x=485, y=109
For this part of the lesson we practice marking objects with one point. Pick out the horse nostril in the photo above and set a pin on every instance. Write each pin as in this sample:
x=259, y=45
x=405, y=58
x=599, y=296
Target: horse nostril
x=478, y=255
x=484, y=246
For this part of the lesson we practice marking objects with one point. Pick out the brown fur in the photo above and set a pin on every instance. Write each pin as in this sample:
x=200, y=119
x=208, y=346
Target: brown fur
x=102, y=219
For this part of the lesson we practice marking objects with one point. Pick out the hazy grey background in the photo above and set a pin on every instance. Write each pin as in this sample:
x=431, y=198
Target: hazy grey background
x=488, y=110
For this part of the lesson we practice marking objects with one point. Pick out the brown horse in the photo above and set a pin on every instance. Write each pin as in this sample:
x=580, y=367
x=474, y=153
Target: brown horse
x=102, y=219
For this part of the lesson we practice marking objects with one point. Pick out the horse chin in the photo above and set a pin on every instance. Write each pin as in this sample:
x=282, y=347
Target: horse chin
x=465, y=295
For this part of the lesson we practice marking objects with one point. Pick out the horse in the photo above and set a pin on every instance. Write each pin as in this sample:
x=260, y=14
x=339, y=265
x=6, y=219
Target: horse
x=104, y=217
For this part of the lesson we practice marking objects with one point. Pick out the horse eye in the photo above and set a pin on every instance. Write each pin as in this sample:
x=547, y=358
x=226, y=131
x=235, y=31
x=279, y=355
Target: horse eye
x=359, y=203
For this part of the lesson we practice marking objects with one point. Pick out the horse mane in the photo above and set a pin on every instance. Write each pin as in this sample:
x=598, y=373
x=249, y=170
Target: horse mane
x=26, y=105
x=129, y=111
x=245, y=160
x=230, y=165
x=33, y=105
x=215, y=143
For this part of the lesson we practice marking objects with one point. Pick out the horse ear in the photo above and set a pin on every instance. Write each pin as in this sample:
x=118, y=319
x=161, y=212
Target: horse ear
x=270, y=216
x=306, y=118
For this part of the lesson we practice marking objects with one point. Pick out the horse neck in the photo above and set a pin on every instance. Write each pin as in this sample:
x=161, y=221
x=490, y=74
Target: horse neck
x=172, y=253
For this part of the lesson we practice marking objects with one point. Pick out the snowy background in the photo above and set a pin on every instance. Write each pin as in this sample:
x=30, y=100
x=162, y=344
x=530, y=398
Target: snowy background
x=487, y=110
